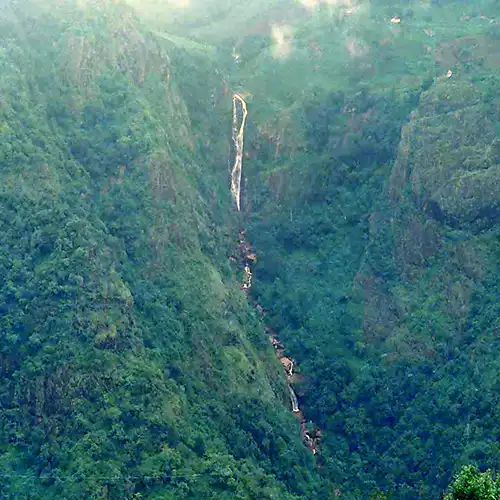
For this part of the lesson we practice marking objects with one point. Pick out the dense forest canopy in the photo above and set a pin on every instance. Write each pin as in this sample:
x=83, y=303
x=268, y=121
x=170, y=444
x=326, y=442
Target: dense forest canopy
x=132, y=363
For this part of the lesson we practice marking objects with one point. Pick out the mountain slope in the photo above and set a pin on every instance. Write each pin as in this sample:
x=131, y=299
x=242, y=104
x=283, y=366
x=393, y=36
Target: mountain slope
x=131, y=363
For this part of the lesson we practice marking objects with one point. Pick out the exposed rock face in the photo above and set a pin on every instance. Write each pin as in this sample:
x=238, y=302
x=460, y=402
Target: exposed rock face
x=449, y=156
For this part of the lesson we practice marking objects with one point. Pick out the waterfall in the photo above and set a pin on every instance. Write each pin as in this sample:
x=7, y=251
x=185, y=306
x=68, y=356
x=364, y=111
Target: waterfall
x=293, y=399
x=238, y=133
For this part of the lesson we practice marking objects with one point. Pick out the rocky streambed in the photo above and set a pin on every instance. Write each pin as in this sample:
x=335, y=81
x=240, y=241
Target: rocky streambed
x=247, y=258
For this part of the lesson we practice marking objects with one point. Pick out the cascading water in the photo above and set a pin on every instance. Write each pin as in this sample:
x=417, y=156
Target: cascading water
x=248, y=258
x=293, y=399
x=238, y=134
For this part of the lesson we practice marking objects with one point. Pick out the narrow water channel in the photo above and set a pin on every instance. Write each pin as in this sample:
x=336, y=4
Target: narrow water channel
x=240, y=114
x=247, y=258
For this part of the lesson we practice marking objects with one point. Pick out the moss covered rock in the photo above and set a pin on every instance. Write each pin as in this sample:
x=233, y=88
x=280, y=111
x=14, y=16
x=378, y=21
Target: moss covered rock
x=449, y=155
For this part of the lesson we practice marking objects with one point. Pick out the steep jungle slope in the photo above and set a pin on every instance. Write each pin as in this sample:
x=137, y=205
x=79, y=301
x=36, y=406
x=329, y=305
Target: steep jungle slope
x=372, y=198
x=131, y=364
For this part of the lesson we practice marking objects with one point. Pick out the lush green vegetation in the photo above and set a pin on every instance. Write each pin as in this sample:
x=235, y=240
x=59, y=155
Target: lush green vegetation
x=132, y=366
x=470, y=484
x=372, y=199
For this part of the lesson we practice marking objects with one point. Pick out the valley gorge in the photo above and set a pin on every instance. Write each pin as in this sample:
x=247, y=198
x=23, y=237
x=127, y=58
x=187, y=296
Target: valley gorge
x=247, y=258
x=249, y=250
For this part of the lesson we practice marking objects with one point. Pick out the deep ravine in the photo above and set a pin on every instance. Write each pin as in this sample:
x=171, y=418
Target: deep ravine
x=247, y=259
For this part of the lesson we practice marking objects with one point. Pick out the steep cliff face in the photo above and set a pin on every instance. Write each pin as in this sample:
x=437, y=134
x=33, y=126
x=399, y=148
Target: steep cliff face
x=442, y=225
x=448, y=157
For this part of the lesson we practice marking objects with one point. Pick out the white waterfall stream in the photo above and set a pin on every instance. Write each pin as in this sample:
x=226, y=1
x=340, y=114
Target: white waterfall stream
x=238, y=134
x=293, y=399
x=248, y=258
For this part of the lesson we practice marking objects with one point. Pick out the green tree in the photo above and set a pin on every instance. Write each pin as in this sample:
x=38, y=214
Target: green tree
x=471, y=484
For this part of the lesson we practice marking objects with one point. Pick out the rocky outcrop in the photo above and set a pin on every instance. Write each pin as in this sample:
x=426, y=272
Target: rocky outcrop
x=449, y=155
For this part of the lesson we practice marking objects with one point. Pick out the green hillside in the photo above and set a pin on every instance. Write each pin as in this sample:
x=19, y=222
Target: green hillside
x=132, y=363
